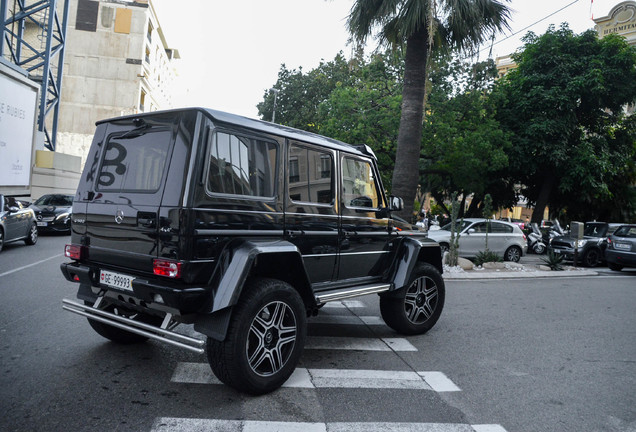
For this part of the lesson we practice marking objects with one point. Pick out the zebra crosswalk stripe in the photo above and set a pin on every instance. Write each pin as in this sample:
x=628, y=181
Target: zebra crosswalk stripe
x=169, y=424
x=363, y=344
x=200, y=373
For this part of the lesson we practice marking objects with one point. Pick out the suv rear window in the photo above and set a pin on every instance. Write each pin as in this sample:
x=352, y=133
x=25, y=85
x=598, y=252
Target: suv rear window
x=135, y=162
x=241, y=166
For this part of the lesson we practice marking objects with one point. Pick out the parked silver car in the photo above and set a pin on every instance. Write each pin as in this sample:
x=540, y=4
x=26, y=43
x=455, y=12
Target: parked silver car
x=504, y=238
x=621, y=248
x=16, y=222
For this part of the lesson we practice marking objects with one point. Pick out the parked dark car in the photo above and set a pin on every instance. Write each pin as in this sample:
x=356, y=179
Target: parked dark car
x=621, y=248
x=591, y=247
x=16, y=222
x=53, y=212
x=243, y=228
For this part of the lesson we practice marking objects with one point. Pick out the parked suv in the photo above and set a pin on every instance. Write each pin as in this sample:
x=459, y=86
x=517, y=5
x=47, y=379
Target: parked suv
x=590, y=248
x=244, y=229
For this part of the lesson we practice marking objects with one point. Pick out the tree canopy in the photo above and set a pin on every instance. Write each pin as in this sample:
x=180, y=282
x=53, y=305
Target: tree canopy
x=573, y=142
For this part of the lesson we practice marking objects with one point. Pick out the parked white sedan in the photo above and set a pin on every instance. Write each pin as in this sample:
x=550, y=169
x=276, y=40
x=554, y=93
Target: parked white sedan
x=504, y=238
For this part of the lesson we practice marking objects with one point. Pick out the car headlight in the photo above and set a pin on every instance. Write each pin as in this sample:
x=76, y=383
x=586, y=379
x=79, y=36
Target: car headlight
x=581, y=243
x=62, y=216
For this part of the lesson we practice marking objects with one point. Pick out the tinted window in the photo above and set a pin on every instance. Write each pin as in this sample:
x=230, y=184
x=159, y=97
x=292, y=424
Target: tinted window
x=500, y=228
x=626, y=231
x=134, y=163
x=358, y=184
x=310, y=175
x=463, y=225
x=241, y=166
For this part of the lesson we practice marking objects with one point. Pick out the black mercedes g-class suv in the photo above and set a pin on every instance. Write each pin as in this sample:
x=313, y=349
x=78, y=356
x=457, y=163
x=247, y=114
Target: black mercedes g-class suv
x=244, y=229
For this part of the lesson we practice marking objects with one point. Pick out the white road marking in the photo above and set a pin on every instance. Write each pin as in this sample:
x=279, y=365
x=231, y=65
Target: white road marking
x=166, y=424
x=488, y=428
x=344, y=304
x=30, y=265
x=346, y=320
x=439, y=382
x=200, y=373
x=362, y=344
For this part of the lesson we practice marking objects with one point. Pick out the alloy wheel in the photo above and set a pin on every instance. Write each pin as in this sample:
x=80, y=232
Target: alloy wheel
x=420, y=300
x=271, y=340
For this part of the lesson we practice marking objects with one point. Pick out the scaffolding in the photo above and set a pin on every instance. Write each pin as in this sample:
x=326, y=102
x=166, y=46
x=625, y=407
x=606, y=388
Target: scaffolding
x=32, y=37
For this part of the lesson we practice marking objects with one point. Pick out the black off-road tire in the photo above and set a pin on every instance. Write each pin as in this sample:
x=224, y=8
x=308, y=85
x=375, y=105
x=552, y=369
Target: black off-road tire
x=513, y=254
x=32, y=238
x=591, y=258
x=265, y=338
x=416, y=308
x=118, y=335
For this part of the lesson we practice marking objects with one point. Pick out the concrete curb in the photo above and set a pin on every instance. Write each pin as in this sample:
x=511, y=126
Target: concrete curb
x=508, y=274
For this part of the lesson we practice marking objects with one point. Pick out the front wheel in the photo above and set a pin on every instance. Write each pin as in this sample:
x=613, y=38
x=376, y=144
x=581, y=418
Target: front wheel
x=416, y=308
x=264, y=340
x=513, y=253
x=32, y=238
x=591, y=258
x=538, y=248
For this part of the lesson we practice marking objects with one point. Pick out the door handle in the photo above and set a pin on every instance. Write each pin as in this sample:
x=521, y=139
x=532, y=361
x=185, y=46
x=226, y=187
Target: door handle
x=294, y=233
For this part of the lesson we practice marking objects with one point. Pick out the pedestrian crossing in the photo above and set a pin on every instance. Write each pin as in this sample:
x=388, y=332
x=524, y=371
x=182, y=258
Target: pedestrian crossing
x=316, y=378
x=171, y=424
x=200, y=373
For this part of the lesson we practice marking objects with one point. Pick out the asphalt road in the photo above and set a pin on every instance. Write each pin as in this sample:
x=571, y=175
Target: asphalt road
x=517, y=355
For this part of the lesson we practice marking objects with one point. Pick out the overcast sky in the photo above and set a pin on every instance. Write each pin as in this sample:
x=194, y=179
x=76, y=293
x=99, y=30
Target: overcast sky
x=231, y=51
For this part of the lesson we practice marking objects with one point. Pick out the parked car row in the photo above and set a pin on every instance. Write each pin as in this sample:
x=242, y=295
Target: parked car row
x=21, y=221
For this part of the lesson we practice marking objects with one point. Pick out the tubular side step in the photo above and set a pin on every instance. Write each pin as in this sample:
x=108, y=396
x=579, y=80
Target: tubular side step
x=351, y=292
x=147, y=330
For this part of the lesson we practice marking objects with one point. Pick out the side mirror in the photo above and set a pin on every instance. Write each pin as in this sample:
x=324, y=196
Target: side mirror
x=471, y=231
x=14, y=209
x=395, y=203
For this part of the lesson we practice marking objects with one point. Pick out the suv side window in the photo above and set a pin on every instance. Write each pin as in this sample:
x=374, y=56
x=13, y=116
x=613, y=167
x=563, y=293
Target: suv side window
x=240, y=165
x=358, y=184
x=310, y=175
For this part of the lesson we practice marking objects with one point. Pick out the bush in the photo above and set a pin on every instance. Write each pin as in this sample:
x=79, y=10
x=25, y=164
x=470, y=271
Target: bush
x=553, y=260
x=487, y=256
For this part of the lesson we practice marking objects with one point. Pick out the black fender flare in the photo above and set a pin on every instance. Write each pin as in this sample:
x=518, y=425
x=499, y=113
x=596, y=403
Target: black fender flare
x=239, y=260
x=412, y=250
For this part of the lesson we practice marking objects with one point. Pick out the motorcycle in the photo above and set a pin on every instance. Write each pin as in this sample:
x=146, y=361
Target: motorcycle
x=535, y=240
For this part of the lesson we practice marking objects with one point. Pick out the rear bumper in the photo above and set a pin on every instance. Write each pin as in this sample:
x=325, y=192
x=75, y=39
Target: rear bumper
x=620, y=257
x=185, y=299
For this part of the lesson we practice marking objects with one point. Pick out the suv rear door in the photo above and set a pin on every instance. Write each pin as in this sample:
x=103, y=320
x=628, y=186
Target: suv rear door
x=128, y=174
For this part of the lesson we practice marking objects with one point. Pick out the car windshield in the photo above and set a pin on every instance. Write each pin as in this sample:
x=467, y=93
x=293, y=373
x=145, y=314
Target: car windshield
x=595, y=230
x=54, y=200
x=626, y=231
x=464, y=224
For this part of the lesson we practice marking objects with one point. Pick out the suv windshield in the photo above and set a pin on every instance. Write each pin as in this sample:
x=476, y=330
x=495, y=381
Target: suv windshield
x=595, y=230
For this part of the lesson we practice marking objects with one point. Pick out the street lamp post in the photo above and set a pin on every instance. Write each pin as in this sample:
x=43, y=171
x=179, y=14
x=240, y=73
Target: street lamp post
x=275, y=91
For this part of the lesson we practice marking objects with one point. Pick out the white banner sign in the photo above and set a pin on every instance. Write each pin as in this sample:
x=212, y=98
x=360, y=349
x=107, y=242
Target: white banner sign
x=17, y=118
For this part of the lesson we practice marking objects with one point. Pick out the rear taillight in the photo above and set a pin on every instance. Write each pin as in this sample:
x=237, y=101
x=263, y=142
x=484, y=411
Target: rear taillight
x=167, y=268
x=75, y=252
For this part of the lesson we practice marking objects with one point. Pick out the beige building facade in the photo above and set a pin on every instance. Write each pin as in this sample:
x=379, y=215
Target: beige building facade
x=117, y=62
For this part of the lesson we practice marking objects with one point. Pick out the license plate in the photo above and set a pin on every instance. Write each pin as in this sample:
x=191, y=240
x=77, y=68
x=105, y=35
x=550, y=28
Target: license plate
x=623, y=246
x=116, y=280
x=556, y=251
x=43, y=224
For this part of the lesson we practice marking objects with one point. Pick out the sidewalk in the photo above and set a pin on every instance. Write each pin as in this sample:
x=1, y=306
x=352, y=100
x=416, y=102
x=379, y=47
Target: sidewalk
x=513, y=270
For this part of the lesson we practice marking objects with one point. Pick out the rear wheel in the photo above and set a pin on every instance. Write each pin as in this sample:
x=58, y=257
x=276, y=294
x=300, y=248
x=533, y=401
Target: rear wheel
x=265, y=338
x=416, y=308
x=32, y=238
x=118, y=335
x=513, y=253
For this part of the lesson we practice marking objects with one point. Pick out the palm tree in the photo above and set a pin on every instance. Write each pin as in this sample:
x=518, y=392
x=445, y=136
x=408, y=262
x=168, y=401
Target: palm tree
x=422, y=25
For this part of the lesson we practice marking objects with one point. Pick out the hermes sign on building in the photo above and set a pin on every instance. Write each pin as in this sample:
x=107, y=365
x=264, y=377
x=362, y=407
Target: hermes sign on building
x=621, y=20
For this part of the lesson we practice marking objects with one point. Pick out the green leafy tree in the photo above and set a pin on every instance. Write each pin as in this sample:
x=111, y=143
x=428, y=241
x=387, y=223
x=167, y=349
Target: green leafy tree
x=421, y=25
x=573, y=142
x=465, y=151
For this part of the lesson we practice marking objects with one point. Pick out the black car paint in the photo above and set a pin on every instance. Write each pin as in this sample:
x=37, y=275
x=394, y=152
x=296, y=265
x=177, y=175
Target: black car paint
x=53, y=212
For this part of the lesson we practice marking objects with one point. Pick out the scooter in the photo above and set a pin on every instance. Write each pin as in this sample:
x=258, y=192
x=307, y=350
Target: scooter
x=535, y=240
